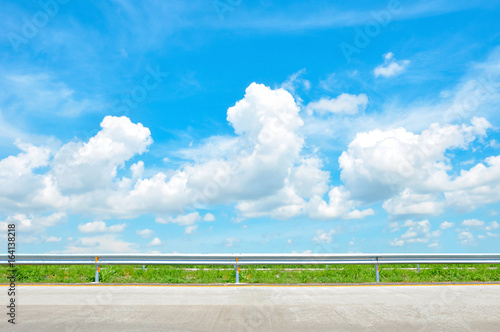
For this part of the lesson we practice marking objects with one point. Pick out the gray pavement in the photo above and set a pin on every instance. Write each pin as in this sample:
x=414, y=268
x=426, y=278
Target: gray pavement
x=256, y=308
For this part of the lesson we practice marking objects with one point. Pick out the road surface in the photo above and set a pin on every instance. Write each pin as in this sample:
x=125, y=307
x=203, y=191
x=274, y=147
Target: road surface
x=256, y=308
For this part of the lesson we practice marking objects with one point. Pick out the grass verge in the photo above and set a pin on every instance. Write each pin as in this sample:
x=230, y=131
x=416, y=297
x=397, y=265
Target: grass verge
x=254, y=274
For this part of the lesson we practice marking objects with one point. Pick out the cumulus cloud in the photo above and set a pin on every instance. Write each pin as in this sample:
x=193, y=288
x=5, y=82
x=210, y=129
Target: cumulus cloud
x=34, y=223
x=410, y=172
x=391, y=67
x=417, y=232
x=209, y=217
x=407, y=203
x=100, y=227
x=446, y=225
x=466, y=238
x=261, y=169
x=492, y=225
x=190, y=229
x=344, y=103
x=339, y=206
x=100, y=244
x=473, y=223
x=155, y=242
x=83, y=167
x=265, y=170
x=324, y=237
x=181, y=220
x=145, y=233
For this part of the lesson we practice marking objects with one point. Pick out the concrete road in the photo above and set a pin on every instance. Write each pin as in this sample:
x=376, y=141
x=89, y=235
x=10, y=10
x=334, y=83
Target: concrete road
x=256, y=308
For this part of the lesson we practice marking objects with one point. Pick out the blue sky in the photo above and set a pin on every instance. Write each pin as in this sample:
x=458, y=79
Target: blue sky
x=250, y=126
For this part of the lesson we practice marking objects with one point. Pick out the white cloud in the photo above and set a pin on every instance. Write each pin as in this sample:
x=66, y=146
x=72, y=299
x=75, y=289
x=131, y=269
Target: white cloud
x=83, y=167
x=473, y=223
x=340, y=206
x=394, y=226
x=478, y=186
x=408, y=203
x=344, y=103
x=492, y=225
x=324, y=237
x=190, y=229
x=397, y=243
x=101, y=244
x=410, y=171
x=264, y=171
x=34, y=223
x=261, y=170
x=209, y=217
x=417, y=232
x=155, y=242
x=145, y=233
x=446, y=225
x=181, y=220
x=466, y=238
x=100, y=227
x=391, y=67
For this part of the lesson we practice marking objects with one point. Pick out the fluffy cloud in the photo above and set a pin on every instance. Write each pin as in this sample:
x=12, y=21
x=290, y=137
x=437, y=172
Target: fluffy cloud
x=83, y=167
x=189, y=220
x=492, y=225
x=417, y=232
x=324, y=237
x=190, y=229
x=339, y=206
x=155, y=242
x=391, y=67
x=473, y=223
x=101, y=244
x=182, y=220
x=407, y=203
x=100, y=227
x=145, y=233
x=209, y=217
x=446, y=225
x=265, y=170
x=410, y=171
x=34, y=223
x=477, y=186
x=466, y=238
x=344, y=103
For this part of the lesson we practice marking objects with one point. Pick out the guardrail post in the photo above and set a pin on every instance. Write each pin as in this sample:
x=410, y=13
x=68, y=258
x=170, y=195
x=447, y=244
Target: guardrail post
x=418, y=267
x=97, y=270
x=237, y=269
x=377, y=271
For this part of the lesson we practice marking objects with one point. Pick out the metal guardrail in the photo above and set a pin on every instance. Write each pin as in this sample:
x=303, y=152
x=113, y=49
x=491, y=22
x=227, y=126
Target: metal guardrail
x=248, y=259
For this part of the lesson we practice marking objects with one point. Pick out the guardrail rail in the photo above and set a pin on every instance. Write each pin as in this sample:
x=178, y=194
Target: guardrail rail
x=248, y=259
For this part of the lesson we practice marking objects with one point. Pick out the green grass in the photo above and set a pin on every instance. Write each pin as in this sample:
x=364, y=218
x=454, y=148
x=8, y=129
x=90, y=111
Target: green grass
x=253, y=274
